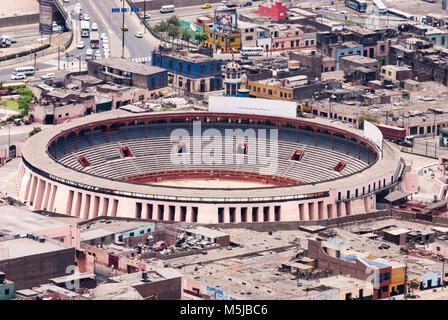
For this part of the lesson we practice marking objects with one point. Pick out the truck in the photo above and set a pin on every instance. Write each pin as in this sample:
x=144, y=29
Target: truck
x=85, y=29
x=396, y=134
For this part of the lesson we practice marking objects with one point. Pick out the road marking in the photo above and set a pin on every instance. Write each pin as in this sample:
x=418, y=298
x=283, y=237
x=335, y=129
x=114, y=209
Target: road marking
x=109, y=30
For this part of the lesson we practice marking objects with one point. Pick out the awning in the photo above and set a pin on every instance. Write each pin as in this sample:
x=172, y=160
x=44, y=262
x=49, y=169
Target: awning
x=396, y=195
x=437, y=205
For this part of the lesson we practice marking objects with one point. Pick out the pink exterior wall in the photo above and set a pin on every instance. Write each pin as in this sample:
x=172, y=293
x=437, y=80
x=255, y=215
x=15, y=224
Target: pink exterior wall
x=410, y=182
x=70, y=201
x=68, y=234
x=277, y=11
x=132, y=95
x=101, y=255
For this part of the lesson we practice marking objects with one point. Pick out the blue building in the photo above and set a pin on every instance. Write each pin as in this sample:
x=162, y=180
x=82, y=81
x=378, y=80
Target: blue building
x=346, y=49
x=189, y=71
x=6, y=288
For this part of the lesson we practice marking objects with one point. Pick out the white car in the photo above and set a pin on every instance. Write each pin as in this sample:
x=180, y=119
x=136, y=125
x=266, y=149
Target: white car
x=138, y=34
x=343, y=12
x=94, y=27
x=105, y=46
x=105, y=40
x=48, y=76
x=98, y=54
x=18, y=76
x=103, y=36
x=86, y=17
x=66, y=1
x=147, y=16
x=81, y=45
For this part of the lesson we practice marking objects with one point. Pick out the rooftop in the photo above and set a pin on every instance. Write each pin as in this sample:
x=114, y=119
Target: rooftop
x=344, y=283
x=186, y=56
x=127, y=65
x=19, y=221
x=133, y=279
x=397, y=231
x=23, y=247
x=206, y=232
x=359, y=59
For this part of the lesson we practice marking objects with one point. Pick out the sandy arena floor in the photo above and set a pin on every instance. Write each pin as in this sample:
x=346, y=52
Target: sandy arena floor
x=215, y=184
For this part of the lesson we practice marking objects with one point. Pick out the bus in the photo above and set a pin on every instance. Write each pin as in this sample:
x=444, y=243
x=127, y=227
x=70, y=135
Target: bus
x=400, y=14
x=358, y=5
x=28, y=71
x=251, y=51
x=85, y=29
x=94, y=40
x=166, y=9
x=379, y=7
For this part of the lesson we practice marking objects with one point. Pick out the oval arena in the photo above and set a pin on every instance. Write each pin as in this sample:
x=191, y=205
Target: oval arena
x=135, y=165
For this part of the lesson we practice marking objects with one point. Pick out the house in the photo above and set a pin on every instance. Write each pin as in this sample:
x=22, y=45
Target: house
x=190, y=71
x=275, y=10
x=128, y=73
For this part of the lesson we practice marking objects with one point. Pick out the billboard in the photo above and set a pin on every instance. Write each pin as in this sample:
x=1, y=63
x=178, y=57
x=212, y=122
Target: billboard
x=257, y=106
x=373, y=133
x=46, y=16
x=225, y=18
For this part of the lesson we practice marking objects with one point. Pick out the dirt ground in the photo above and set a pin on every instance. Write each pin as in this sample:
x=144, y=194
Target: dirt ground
x=18, y=4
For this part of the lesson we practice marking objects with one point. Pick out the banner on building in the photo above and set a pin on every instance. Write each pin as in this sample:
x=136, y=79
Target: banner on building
x=225, y=18
x=373, y=133
x=256, y=106
x=46, y=16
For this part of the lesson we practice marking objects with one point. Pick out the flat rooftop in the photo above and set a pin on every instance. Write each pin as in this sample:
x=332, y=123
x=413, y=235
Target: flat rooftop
x=23, y=247
x=206, y=232
x=19, y=221
x=127, y=65
x=183, y=55
x=111, y=226
x=161, y=274
x=343, y=283
x=359, y=59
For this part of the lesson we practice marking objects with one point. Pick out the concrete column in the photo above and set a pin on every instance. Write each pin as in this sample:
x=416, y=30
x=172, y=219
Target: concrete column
x=189, y=214
x=78, y=203
x=48, y=188
x=96, y=206
x=53, y=197
x=226, y=213
x=177, y=213
x=39, y=195
x=33, y=189
x=28, y=188
x=87, y=199
x=106, y=204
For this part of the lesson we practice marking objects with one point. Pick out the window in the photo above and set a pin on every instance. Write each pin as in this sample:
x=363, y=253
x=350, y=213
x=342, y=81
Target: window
x=189, y=67
x=202, y=68
x=385, y=288
x=6, y=291
x=386, y=276
x=170, y=63
x=438, y=248
x=382, y=48
x=312, y=42
x=270, y=92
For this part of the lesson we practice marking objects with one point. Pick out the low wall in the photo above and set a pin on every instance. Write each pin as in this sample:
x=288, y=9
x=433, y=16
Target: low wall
x=28, y=59
x=157, y=4
x=19, y=20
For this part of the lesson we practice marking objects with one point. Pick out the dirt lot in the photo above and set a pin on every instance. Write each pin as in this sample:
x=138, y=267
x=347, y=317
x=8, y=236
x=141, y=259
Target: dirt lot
x=19, y=4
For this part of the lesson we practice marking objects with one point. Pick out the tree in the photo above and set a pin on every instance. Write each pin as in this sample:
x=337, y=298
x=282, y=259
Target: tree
x=186, y=35
x=201, y=37
x=366, y=116
x=300, y=112
x=218, y=46
x=174, y=20
x=173, y=32
x=35, y=130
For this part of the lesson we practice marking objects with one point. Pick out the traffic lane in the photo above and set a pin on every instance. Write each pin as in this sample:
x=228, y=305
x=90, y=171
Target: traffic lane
x=94, y=18
x=107, y=20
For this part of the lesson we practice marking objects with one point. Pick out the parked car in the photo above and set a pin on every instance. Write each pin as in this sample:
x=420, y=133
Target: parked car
x=81, y=45
x=48, y=76
x=138, y=34
x=159, y=245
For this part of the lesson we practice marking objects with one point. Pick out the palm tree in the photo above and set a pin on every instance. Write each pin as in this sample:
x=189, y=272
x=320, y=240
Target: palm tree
x=200, y=37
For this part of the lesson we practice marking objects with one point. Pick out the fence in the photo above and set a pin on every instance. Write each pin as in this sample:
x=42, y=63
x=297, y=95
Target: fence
x=426, y=148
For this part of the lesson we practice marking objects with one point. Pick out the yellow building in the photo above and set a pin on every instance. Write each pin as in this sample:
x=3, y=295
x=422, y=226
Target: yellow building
x=269, y=89
x=226, y=40
x=396, y=277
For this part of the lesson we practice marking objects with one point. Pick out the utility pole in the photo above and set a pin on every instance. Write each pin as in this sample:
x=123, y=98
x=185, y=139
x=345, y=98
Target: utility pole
x=122, y=31
x=406, y=280
x=59, y=58
x=144, y=16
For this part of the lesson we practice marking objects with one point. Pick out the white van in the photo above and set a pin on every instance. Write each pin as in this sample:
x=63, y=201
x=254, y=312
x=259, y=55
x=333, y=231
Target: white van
x=166, y=9
x=89, y=53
